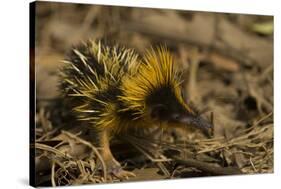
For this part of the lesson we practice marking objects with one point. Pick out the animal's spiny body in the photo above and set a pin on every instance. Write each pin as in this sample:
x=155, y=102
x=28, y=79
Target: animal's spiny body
x=112, y=88
x=92, y=82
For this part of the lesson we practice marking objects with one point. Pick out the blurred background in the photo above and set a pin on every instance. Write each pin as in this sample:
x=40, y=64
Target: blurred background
x=227, y=60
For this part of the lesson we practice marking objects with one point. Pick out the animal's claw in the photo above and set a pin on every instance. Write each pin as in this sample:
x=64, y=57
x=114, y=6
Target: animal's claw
x=122, y=174
x=116, y=170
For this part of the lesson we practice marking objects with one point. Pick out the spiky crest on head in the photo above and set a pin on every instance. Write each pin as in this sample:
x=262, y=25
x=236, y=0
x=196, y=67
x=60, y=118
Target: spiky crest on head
x=157, y=70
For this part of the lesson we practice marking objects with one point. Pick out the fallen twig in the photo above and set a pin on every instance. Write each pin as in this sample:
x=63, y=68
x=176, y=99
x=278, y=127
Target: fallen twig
x=90, y=146
x=207, y=167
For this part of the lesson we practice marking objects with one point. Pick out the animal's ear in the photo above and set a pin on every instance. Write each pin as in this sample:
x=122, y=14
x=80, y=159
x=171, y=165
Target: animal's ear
x=158, y=111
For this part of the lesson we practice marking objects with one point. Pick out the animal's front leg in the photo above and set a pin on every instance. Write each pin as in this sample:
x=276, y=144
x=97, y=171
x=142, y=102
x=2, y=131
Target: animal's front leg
x=113, y=166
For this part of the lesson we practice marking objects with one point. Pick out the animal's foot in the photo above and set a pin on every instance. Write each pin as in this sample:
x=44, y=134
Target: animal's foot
x=120, y=173
x=116, y=170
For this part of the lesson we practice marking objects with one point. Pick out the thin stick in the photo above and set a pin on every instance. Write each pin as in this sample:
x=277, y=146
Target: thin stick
x=52, y=150
x=53, y=174
x=70, y=135
x=207, y=167
x=263, y=118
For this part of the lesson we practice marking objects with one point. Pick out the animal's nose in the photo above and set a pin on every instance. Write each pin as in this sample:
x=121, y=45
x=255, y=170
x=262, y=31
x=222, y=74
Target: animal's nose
x=202, y=123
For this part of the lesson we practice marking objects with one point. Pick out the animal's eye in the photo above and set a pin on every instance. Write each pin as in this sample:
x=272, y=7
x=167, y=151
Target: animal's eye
x=158, y=111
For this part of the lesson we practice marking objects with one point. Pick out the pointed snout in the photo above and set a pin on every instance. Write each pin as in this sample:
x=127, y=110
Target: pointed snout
x=196, y=121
